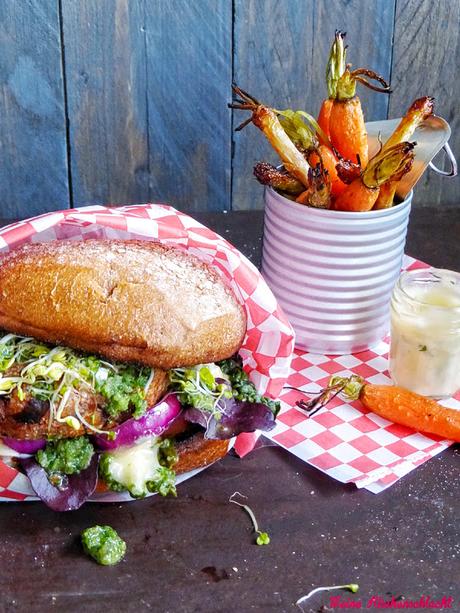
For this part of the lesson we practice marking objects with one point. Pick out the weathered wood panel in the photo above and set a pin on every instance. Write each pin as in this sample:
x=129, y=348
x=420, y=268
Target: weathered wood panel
x=147, y=82
x=147, y=86
x=106, y=89
x=189, y=64
x=426, y=58
x=33, y=158
x=281, y=49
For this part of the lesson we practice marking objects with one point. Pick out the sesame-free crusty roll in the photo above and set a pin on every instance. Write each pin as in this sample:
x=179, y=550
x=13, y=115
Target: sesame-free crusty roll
x=127, y=300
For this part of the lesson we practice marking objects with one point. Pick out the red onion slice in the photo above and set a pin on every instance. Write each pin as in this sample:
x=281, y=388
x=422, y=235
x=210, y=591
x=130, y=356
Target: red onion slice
x=154, y=422
x=25, y=446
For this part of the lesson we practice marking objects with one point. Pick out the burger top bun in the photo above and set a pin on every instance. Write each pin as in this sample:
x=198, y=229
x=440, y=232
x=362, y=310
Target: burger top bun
x=127, y=300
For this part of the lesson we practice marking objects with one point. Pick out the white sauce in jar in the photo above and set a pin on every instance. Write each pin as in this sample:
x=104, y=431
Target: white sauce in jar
x=425, y=332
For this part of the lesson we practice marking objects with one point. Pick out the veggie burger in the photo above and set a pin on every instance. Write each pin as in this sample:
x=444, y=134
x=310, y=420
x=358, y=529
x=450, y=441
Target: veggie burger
x=118, y=368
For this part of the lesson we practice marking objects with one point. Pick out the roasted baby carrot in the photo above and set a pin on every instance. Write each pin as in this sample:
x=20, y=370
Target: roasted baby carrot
x=267, y=174
x=307, y=138
x=419, y=110
x=410, y=409
x=330, y=163
x=318, y=193
x=267, y=121
x=363, y=192
x=335, y=68
x=324, y=115
x=347, y=130
x=341, y=116
x=394, y=403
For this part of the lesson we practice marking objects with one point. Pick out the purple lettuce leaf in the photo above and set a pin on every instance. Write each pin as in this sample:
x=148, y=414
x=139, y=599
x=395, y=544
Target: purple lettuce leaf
x=236, y=416
x=79, y=487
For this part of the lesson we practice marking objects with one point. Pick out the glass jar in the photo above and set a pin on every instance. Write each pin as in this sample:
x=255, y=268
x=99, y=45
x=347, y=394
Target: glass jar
x=425, y=332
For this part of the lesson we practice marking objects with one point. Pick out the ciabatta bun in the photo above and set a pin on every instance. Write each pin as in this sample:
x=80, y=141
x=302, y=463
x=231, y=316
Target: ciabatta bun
x=128, y=300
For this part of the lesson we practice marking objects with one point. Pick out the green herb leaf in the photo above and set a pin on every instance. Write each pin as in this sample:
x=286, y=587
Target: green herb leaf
x=263, y=538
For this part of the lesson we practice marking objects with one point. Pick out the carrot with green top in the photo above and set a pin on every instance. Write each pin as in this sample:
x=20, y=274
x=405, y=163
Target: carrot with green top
x=346, y=123
x=308, y=136
x=334, y=70
x=341, y=116
x=267, y=121
x=362, y=193
x=419, y=110
x=394, y=403
x=294, y=157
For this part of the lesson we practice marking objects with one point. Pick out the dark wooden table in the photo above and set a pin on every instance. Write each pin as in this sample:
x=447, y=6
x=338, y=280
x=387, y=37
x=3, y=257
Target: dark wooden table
x=196, y=552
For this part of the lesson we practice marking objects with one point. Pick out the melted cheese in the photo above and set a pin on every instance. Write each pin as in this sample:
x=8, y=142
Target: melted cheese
x=134, y=466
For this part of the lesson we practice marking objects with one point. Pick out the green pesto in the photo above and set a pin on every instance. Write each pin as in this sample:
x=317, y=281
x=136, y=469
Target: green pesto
x=67, y=456
x=242, y=387
x=103, y=544
x=125, y=391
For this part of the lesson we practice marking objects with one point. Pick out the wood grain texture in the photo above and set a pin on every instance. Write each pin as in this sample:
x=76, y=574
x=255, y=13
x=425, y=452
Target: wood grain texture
x=189, y=75
x=106, y=88
x=147, y=86
x=33, y=168
x=426, y=58
x=281, y=50
x=196, y=553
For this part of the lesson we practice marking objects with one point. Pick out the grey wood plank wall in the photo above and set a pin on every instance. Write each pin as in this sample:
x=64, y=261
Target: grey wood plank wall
x=124, y=101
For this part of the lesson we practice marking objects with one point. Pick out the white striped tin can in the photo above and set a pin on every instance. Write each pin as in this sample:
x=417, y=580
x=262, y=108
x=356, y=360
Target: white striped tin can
x=333, y=272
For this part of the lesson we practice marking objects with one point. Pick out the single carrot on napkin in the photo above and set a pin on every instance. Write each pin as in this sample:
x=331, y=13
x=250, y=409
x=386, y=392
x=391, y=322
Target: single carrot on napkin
x=394, y=403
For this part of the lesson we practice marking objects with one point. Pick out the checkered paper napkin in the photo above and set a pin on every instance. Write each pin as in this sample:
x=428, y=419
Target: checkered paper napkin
x=344, y=440
x=269, y=342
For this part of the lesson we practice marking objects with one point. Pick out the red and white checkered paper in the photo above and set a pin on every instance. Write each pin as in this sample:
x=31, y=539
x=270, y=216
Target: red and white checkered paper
x=269, y=342
x=344, y=440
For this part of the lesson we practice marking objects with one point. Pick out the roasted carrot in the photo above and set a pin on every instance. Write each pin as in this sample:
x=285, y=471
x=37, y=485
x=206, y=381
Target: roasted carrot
x=394, y=403
x=330, y=163
x=307, y=138
x=267, y=174
x=419, y=110
x=410, y=409
x=347, y=130
x=318, y=193
x=341, y=116
x=335, y=68
x=357, y=197
x=267, y=121
x=324, y=115
x=387, y=191
x=363, y=192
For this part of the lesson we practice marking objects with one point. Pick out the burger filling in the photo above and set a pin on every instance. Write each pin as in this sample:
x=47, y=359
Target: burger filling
x=66, y=401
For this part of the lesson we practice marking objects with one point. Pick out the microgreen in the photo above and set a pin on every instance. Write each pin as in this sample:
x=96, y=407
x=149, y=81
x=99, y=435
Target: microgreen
x=262, y=537
x=59, y=375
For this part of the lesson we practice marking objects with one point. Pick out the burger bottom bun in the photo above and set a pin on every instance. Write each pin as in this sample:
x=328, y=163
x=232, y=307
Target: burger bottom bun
x=197, y=451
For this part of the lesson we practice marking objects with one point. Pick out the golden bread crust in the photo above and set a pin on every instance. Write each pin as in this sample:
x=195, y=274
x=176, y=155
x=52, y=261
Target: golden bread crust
x=197, y=451
x=131, y=300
